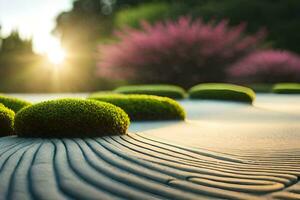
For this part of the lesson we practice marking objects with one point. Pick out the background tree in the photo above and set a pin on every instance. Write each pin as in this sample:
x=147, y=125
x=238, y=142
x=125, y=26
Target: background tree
x=81, y=29
x=281, y=18
x=17, y=61
x=92, y=22
x=185, y=52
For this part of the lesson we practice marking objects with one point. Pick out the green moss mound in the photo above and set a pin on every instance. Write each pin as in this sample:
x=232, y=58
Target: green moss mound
x=222, y=91
x=13, y=103
x=71, y=118
x=170, y=91
x=260, y=87
x=96, y=94
x=145, y=107
x=6, y=121
x=286, y=88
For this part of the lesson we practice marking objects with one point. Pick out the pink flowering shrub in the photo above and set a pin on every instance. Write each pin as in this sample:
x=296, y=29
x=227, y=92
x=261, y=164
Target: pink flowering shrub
x=184, y=52
x=269, y=66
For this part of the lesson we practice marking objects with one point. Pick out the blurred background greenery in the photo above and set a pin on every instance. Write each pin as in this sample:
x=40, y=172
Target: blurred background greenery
x=93, y=22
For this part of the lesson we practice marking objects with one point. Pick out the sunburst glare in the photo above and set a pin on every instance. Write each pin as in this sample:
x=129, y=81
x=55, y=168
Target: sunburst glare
x=56, y=55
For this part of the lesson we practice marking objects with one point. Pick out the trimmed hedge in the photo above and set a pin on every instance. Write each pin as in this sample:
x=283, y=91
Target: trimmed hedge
x=145, y=107
x=13, y=103
x=222, y=91
x=6, y=121
x=286, y=88
x=171, y=91
x=71, y=118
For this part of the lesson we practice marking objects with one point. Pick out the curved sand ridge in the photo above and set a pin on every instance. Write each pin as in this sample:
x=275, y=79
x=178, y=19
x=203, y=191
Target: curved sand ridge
x=137, y=166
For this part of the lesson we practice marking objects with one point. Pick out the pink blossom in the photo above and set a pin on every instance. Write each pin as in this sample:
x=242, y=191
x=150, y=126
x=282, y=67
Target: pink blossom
x=267, y=66
x=184, y=52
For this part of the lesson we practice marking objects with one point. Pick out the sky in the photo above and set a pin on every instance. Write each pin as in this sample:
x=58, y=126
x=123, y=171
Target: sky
x=33, y=18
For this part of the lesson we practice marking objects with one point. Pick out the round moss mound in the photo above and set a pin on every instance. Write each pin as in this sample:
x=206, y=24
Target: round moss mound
x=261, y=87
x=170, y=91
x=6, y=121
x=12, y=103
x=145, y=107
x=96, y=94
x=71, y=118
x=222, y=91
x=286, y=88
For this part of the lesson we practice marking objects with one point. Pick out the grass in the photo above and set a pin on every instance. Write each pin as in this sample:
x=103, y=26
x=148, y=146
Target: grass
x=286, y=88
x=171, y=91
x=222, y=91
x=13, y=103
x=145, y=107
x=71, y=118
x=6, y=121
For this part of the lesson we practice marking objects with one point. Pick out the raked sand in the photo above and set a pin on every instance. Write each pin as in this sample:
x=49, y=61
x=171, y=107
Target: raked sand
x=223, y=150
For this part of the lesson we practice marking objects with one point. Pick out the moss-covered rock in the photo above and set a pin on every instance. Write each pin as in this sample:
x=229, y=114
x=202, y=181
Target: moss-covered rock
x=12, y=103
x=145, y=107
x=286, y=88
x=71, y=118
x=222, y=91
x=6, y=121
x=170, y=91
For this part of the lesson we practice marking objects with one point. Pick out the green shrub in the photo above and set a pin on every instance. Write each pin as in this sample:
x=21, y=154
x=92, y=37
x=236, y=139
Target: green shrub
x=286, y=88
x=13, y=103
x=150, y=12
x=6, y=121
x=222, y=91
x=145, y=107
x=71, y=118
x=170, y=91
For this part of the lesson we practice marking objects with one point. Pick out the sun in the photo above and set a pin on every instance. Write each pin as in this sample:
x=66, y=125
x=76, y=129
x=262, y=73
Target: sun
x=56, y=55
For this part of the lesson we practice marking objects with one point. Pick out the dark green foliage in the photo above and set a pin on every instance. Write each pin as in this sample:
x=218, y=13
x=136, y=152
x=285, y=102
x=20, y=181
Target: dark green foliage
x=153, y=11
x=15, y=44
x=71, y=118
x=222, y=91
x=170, y=91
x=6, y=121
x=150, y=12
x=145, y=107
x=16, y=60
x=287, y=88
x=281, y=18
x=13, y=103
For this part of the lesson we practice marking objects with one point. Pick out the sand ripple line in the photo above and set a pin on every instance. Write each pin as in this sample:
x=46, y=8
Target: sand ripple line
x=137, y=166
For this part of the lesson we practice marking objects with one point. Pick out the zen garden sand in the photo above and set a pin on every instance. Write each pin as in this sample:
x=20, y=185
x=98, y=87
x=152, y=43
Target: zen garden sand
x=222, y=150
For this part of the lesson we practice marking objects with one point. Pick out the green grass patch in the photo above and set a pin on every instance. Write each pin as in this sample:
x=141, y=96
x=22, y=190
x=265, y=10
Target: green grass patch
x=286, y=88
x=222, y=91
x=71, y=118
x=6, y=121
x=170, y=91
x=12, y=103
x=145, y=107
